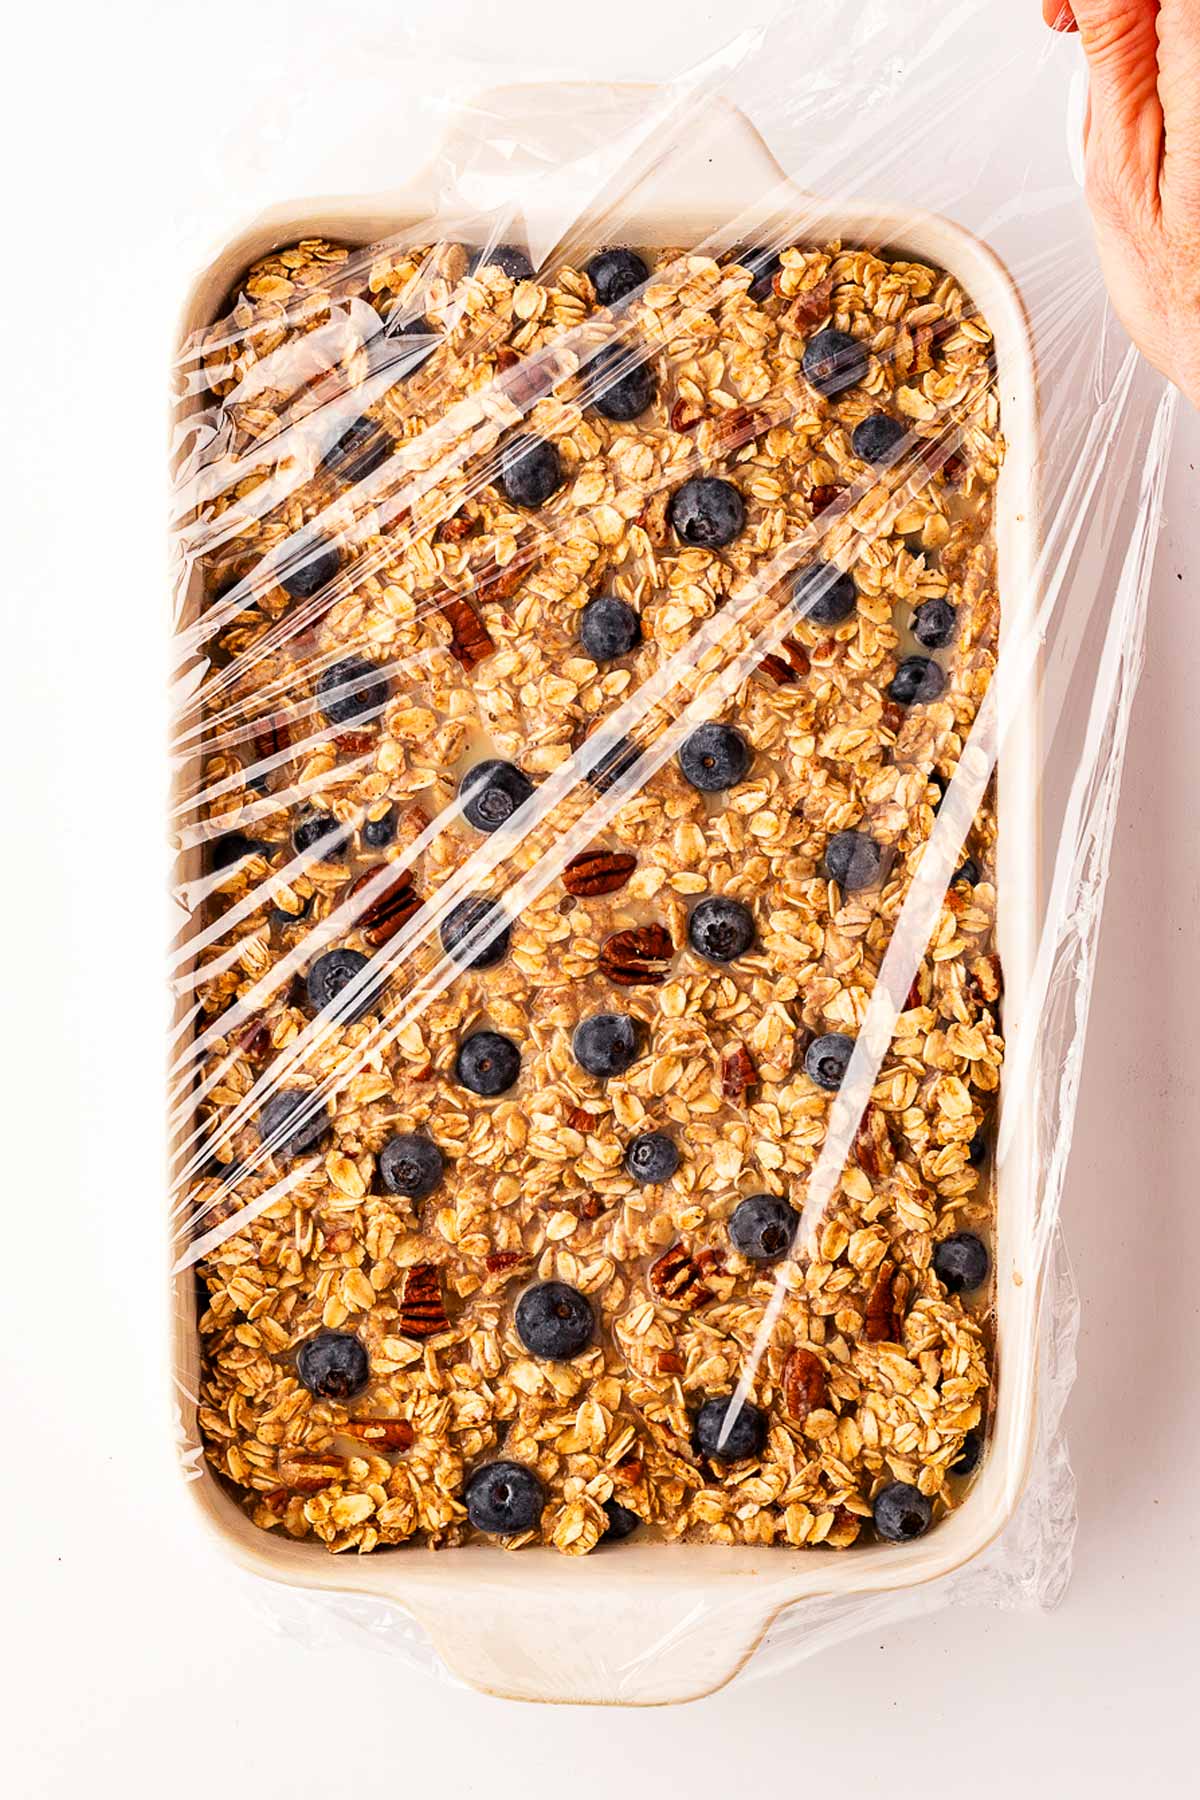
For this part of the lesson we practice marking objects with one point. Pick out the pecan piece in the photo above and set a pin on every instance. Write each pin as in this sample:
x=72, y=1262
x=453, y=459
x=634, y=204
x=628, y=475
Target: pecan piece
x=885, y=1303
x=504, y=583
x=653, y=517
x=422, y=1313
x=954, y=467
x=452, y=531
x=780, y=672
x=797, y=655
x=523, y=384
x=354, y=743
x=670, y=1362
x=737, y=1071
x=677, y=1276
x=686, y=415
x=872, y=1146
x=503, y=1262
x=741, y=426
x=272, y=738
x=823, y=496
x=985, y=982
x=810, y=308
x=254, y=1038
x=307, y=1472
x=580, y=1119
x=469, y=640
x=631, y=1468
x=598, y=872
x=802, y=1384
x=637, y=958
x=382, y=1434
x=391, y=905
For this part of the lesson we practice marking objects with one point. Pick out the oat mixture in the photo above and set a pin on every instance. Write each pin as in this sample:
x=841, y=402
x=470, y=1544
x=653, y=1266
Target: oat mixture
x=479, y=1292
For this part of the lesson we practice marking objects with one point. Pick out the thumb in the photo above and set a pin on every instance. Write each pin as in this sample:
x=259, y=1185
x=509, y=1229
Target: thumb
x=1179, y=91
x=1120, y=40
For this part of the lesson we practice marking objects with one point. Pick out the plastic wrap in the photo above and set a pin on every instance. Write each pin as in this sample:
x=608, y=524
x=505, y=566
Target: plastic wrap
x=802, y=785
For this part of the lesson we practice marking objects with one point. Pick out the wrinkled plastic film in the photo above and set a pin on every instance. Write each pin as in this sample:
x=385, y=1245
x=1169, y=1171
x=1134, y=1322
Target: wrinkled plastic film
x=341, y=542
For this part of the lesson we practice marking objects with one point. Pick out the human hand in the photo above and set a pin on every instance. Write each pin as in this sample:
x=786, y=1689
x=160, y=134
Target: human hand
x=1143, y=168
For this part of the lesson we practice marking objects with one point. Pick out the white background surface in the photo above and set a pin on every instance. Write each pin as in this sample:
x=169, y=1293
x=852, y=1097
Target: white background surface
x=140, y=1665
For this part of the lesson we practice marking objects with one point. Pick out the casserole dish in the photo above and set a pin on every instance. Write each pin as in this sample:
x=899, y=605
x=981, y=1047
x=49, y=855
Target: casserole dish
x=668, y=1624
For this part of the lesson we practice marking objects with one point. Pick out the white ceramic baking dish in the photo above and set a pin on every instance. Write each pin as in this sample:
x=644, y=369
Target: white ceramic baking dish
x=658, y=1624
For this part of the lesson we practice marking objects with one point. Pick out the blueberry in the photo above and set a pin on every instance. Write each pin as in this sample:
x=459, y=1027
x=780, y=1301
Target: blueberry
x=321, y=832
x=651, y=1158
x=412, y=1165
x=491, y=792
x=762, y=1228
x=934, y=624
x=917, y=679
x=823, y=594
x=707, y=512
x=977, y=1150
x=508, y=258
x=352, y=689
x=608, y=628
x=275, y=1121
x=319, y=564
x=969, y=872
x=605, y=1044
x=504, y=1498
x=622, y=1523
x=826, y=1060
x=961, y=1262
x=475, y=913
x=720, y=930
x=878, y=438
x=901, y=1512
x=333, y=972
x=728, y=1436
x=530, y=471
x=333, y=1365
x=616, y=761
x=967, y=1460
x=377, y=834
x=487, y=1063
x=224, y=852
x=620, y=382
x=833, y=362
x=362, y=448
x=554, y=1321
x=714, y=757
x=615, y=273
x=853, y=860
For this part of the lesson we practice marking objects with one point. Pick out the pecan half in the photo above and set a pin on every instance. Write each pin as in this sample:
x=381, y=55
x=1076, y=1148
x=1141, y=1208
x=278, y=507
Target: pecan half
x=307, y=1472
x=885, y=1307
x=803, y=1385
x=678, y=1276
x=737, y=1071
x=384, y=1434
x=637, y=958
x=469, y=640
x=422, y=1313
x=797, y=655
x=391, y=905
x=598, y=872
